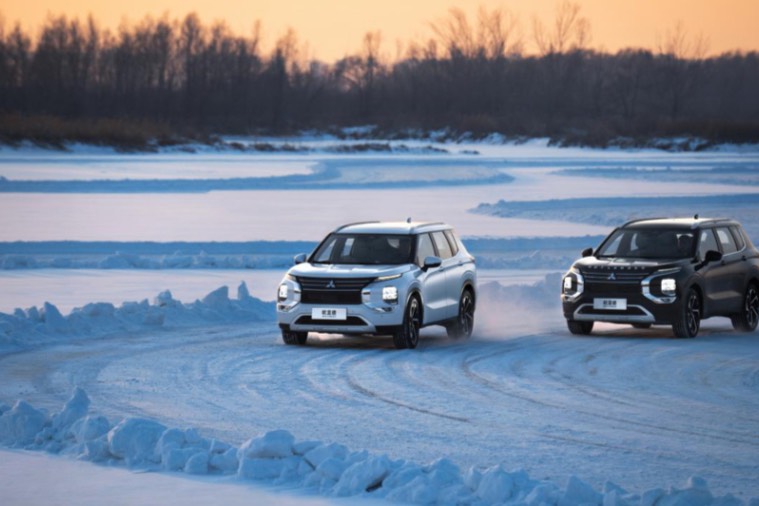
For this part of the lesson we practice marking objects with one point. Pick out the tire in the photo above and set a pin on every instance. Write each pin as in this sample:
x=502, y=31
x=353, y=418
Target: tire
x=747, y=319
x=580, y=328
x=689, y=317
x=641, y=326
x=407, y=335
x=464, y=324
x=294, y=338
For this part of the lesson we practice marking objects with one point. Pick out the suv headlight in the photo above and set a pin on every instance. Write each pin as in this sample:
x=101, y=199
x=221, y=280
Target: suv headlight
x=668, y=286
x=573, y=284
x=282, y=294
x=389, y=294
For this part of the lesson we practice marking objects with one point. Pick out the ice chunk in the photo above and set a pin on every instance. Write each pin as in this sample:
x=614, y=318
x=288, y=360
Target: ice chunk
x=363, y=476
x=579, y=492
x=20, y=425
x=197, y=464
x=274, y=444
x=54, y=321
x=134, y=440
x=74, y=409
x=495, y=486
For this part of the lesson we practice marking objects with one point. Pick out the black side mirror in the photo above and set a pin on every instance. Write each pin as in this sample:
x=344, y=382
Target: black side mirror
x=299, y=259
x=712, y=256
x=587, y=252
x=431, y=262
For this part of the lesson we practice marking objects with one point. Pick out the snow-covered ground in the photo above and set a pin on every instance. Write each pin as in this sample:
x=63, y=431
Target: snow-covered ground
x=523, y=413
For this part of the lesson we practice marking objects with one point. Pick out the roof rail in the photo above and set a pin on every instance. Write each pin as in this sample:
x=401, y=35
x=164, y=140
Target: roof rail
x=430, y=224
x=643, y=219
x=354, y=223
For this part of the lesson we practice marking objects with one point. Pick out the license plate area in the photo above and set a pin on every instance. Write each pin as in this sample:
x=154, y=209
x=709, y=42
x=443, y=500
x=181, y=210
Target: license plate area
x=329, y=313
x=610, y=304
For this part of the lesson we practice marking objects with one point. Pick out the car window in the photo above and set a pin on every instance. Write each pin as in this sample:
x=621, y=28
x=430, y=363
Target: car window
x=726, y=240
x=452, y=241
x=443, y=248
x=739, y=243
x=424, y=249
x=706, y=242
x=649, y=243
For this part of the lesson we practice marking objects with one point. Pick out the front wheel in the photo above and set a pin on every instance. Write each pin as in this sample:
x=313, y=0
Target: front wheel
x=579, y=328
x=464, y=324
x=294, y=338
x=747, y=319
x=407, y=335
x=688, y=320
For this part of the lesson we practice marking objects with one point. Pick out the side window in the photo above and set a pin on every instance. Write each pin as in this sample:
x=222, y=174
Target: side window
x=424, y=249
x=706, y=242
x=726, y=240
x=452, y=241
x=443, y=248
x=739, y=242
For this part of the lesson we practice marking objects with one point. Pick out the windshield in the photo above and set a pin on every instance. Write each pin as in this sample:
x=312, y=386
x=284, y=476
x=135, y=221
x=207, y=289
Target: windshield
x=649, y=243
x=372, y=249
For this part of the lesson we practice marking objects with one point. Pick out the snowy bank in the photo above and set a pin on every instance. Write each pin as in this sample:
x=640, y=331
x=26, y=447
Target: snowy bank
x=38, y=325
x=328, y=469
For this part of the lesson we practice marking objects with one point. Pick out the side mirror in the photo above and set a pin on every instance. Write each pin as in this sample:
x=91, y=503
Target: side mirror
x=299, y=259
x=587, y=252
x=431, y=262
x=712, y=256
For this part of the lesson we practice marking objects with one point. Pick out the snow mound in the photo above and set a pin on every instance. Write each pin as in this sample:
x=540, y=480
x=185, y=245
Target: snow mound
x=327, y=469
x=35, y=326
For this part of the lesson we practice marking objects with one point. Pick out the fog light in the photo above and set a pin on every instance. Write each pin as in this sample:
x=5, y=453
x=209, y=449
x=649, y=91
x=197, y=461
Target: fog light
x=668, y=286
x=282, y=292
x=390, y=294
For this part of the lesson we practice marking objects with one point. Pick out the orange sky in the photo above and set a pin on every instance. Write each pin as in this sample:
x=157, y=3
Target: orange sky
x=334, y=28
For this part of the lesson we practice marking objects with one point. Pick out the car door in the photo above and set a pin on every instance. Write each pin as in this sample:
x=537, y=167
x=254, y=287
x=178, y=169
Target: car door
x=449, y=266
x=735, y=275
x=716, y=275
x=434, y=296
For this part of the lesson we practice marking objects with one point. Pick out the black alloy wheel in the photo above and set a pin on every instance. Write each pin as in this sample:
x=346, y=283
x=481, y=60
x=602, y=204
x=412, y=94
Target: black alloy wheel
x=580, y=328
x=464, y=324
x=407, y=336
x=689, y=320
x=748, y=318
x=294, y=338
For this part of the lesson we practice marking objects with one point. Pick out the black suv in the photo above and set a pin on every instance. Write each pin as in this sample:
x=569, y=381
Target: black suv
x=666, y=272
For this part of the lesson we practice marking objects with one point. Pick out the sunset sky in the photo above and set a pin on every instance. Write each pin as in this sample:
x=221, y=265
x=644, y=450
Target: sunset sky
x=334, y=28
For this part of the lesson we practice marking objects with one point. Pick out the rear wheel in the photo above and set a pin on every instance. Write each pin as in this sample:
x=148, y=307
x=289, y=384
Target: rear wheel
x=295, y=338
x=689, y=318
x=407, y=335
x=579, y=328
x=464, y=324
x=747, y=319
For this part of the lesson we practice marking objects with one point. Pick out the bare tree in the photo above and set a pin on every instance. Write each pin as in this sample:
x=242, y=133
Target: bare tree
x=569, y=32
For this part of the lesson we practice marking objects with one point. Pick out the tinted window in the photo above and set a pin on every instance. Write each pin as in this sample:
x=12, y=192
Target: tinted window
x=706, y=242
x=452, y=241
x=443, y=248
x=373, y=249
x=648, y=243
x=726, y=240
x=424, y=249
x=738, y=237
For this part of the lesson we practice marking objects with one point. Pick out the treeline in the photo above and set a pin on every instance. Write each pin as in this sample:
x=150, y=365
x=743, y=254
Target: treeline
x=170, y=76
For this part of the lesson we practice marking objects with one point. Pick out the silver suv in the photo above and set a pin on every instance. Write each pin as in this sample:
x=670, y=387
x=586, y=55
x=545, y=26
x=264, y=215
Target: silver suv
x=383, y=279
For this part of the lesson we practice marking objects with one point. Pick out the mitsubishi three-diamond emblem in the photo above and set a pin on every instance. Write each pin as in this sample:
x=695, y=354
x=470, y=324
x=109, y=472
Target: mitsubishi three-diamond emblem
x=331, y=284
x=612, y=277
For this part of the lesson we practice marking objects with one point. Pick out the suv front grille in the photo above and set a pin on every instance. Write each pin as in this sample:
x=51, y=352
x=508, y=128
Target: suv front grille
x=332, y=290
x=614, y=276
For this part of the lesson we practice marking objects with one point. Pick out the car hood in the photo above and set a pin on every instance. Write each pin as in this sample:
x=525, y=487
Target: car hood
x=347, y=271
x=638, y=264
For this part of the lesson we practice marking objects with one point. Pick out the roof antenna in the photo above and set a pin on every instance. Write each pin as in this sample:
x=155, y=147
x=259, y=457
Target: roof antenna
x=696, y=216
x=408, y=220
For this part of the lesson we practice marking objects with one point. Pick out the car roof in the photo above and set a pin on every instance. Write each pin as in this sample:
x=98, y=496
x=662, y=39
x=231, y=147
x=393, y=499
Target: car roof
x=693, y=222
x=391, y=227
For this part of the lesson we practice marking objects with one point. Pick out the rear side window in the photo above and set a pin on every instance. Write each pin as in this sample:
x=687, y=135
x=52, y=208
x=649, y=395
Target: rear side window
x=706, y=242
x=424, y=249
x=452, y=241
x=726, y=240
x=739, y=243
x=443, y=248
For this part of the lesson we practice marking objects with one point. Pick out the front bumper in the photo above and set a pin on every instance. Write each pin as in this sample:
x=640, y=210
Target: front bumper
x=639, y=309
x=360, y=319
